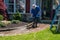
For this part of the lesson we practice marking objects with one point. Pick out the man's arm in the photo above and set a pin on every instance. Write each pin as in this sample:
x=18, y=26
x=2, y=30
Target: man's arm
x=31, y=12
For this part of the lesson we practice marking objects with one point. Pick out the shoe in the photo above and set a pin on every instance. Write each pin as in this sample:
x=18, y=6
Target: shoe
x=34, y=26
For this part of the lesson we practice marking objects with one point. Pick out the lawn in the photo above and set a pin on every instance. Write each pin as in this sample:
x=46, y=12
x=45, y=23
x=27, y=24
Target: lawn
x=41, y=35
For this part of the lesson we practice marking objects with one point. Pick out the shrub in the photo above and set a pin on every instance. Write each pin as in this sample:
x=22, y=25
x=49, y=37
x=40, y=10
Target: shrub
x=1, y=17
x=17, y=16
x=2, y=24
x=15, y=21
x=6, y=22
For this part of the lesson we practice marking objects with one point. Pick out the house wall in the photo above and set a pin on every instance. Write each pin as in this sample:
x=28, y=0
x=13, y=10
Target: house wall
x=14, y=5
x=28, y=5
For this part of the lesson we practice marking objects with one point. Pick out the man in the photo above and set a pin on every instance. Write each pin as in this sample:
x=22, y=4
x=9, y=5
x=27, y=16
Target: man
x=35, y=13
x=54, y=8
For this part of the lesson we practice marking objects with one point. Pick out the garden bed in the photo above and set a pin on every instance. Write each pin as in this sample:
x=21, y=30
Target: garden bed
x=12, y=25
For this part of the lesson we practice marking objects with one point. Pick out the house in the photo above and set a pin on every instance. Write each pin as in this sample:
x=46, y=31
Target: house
x=14, y=5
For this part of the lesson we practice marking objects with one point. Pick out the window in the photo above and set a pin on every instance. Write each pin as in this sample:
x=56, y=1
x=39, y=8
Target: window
x=15, y=5
x=10, y=5
x=20, y=5
x=11, y=1
x=11, y=8
x=38, y=2
x=46, y=9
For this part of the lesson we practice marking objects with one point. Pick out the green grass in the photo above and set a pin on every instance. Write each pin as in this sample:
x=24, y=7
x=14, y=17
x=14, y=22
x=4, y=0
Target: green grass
x=41, y=35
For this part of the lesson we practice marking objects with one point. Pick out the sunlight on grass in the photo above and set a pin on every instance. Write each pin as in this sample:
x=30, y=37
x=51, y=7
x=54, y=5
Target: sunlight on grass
x=41, y=35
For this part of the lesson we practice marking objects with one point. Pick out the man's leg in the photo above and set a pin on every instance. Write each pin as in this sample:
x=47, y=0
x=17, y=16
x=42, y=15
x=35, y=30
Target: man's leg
x=37, y=21
x=34, y=22
x=33, y=25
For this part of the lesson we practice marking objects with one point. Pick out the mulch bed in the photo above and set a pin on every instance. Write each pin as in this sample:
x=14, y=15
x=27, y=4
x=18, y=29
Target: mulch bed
x=16, y=25
x=12, y=26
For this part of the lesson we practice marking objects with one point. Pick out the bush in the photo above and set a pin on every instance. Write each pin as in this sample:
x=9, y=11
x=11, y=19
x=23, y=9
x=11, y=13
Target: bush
x=2, y=24
x=6, y=22
x=17, y=16
x=1, y=17
x=15, y=21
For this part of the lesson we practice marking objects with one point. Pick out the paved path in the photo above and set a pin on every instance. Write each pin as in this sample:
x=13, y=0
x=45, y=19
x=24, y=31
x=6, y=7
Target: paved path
x=23, y=30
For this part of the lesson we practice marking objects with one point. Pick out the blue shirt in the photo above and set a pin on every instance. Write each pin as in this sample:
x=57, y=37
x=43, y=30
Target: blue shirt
x=35, y=12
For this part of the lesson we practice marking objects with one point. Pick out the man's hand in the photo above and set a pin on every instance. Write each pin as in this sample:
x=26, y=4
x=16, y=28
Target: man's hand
x=31, y=14
x=40, y=18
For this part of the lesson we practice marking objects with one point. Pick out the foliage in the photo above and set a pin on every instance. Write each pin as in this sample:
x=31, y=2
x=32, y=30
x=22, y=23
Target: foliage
x=1, y=17
x=17, y=16
x=2, y=24
x=15, y=21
